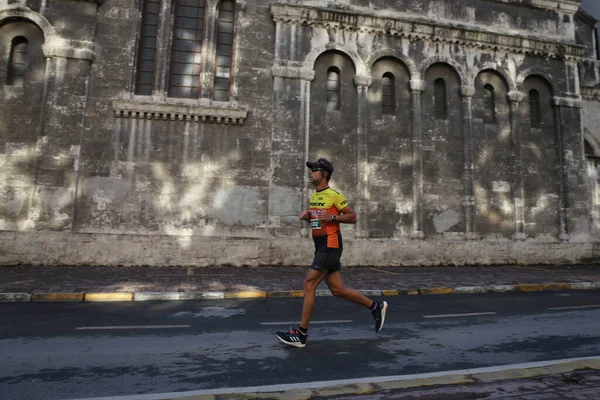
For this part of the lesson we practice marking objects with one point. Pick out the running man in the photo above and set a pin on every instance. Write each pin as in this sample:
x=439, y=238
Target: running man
x=328, y=209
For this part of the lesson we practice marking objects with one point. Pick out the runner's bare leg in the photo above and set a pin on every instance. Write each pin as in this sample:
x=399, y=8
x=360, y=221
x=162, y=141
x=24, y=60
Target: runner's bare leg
x=334, y=281
x=311, y=281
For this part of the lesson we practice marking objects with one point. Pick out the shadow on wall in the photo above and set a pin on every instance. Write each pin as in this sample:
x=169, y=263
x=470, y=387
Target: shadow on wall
x=36, y=189
x=183, y=178
x=497, y=186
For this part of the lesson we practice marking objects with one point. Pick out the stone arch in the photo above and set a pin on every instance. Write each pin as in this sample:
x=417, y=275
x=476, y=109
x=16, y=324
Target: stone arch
x=359, y=64
x=531, y=72
x=491, y=66
x=24, y=13
x=592, y=140
x=376, y=56
x=425, y=65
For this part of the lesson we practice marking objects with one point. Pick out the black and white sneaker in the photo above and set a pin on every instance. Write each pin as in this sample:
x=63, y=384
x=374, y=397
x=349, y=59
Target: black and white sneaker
x=294, y=338
x=379, y=314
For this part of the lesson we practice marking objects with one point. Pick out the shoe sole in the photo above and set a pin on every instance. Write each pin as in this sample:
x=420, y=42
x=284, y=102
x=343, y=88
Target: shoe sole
x=383, y=312
x=295, y=344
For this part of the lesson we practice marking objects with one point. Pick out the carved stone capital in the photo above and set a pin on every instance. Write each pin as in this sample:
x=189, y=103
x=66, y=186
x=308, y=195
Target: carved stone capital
x=417, y=85
x=467, y=91
x=362, y=80
x=515, y=97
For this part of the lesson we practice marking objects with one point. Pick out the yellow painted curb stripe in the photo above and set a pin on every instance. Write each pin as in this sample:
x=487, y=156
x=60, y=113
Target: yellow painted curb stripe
x=245, y=295
x=291, y=293
x=57, y=297
x=539, y=288
x=119, y=296
x=437, y=291
x=390, y=292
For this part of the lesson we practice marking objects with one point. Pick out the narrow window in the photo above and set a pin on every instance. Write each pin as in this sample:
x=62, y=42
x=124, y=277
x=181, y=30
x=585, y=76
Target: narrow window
x=589, y=150
x=388, y=91
x=17, y=63
x=224, y=51
x=597, y=41
x=147, y=48
x=489, y=104
x=441, y=106
x=333, y=89
x=535, y=112
x=187, y=49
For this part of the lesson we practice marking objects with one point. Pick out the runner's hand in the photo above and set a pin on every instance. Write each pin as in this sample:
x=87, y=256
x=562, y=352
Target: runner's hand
x=323, y=215
x=305, y=216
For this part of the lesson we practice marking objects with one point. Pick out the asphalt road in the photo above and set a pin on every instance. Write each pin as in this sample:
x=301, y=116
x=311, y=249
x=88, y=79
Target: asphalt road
x=81, y=350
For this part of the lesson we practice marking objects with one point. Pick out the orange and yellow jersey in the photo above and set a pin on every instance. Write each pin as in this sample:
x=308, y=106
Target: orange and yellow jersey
x=326, y=233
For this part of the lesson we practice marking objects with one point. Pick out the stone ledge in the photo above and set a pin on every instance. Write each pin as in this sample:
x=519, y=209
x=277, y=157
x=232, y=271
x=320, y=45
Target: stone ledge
x=290, y=69
x=569, y=102
x=78, y=49
x=419, y=28
x=179, y=112
x=68, y=248
x=590, y=93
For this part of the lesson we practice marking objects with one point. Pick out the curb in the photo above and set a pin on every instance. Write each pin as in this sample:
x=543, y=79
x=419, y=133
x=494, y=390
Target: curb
x=370, y=386
x=446, y=378
x=39, y=297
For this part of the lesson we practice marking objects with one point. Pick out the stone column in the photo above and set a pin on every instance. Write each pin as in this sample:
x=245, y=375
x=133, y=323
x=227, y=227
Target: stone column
x=306, y=77
x=163, y=55
x=515, y=98
x=362, y=157
x=289, y=145
x=573, y=205
x=416, y=90
x=48, y=83
x=59, y=144
x=467, y=93
x=209, y=52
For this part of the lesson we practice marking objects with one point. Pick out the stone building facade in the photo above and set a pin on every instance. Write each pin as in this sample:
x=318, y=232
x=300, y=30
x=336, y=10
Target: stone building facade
x=175, y=132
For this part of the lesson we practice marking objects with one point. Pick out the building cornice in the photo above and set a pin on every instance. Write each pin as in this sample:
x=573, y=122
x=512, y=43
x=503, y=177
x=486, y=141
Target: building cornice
x=99, y=2
x=148, y=109
x=420, y=28
x=564, y=6
x=587, y=18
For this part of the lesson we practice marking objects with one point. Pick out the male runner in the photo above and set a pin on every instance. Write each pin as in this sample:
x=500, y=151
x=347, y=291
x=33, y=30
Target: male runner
x=328, y=209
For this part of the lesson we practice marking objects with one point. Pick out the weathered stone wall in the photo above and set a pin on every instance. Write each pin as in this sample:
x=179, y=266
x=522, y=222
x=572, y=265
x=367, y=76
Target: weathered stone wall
x=125, y=178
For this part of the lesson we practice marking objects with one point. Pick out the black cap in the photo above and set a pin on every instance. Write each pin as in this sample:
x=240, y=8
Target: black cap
x=322, y=163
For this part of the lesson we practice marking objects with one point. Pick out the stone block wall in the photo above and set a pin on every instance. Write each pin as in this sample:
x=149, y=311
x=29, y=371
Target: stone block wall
x=460, y=162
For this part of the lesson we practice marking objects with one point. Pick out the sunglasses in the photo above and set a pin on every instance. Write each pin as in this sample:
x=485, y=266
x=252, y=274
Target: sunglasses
x=315, y=169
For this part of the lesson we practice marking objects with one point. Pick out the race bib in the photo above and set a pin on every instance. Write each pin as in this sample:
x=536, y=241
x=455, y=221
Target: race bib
x=315, y=223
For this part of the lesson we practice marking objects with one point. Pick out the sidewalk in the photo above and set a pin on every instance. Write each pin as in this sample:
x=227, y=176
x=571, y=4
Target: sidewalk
x=31, y=283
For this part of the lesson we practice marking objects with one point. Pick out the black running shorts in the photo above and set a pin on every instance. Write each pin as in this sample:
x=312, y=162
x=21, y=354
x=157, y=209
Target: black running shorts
x=327, y=258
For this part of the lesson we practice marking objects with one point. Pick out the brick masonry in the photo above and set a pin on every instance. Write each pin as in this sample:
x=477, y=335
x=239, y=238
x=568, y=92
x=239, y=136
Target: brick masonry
x=97, y=173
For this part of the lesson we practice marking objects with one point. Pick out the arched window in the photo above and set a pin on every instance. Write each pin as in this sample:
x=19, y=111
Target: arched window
x=588, y=149
x=388, y=101
x=224, y=51
x=440, y=99
x=186, y=53
x=147, y=48
x=333, y=89
x=489, y=104
x=535, y=109
x=17, y=63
